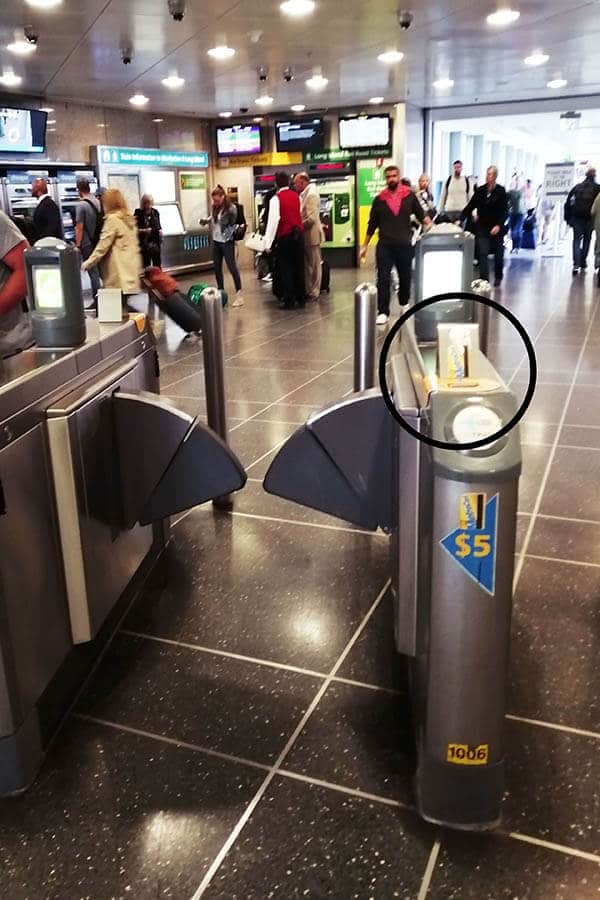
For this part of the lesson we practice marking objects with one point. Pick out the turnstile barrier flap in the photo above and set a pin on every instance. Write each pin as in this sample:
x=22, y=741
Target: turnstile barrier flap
x=340, y=462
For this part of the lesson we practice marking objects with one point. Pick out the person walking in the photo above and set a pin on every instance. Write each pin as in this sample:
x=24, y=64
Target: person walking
x=88, y=216
x=310, y=210
x=391, y=213
x=47, y=219
x=284, y=235
x=149, y=231
x=596, y=224
x=425, y=197
x=222, y=221
x=516, y=205
x=488, y=208
x=578, y=215
x=456, y=193
x=117, y=251
x=15, y=323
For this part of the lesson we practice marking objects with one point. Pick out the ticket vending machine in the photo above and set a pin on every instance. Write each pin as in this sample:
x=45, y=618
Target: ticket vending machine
x=17, y=188
x=336, y=184
x=68, y=196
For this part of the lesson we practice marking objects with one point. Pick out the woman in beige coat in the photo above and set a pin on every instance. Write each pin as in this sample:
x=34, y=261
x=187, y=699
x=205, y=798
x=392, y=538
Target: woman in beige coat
x=118, y=249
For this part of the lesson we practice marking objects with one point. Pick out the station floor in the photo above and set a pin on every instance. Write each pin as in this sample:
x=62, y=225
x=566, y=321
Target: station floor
x=245, y=736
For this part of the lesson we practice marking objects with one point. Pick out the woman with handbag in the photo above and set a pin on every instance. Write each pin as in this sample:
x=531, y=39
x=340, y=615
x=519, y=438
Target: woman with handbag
x=222, y=222
x=149, y=232
x=117, y=250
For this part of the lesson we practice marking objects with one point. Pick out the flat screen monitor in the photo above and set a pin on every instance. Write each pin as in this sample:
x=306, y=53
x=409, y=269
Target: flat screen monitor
x=300, y=135
x=47, y=287
x=359, y=132
x=239, y=139
x=170, y=219
x=22, y=130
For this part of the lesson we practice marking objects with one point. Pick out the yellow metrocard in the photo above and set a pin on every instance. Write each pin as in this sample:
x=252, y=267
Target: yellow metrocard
x=465, y=755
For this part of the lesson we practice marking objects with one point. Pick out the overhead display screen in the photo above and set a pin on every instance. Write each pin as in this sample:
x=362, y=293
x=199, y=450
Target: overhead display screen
x=239, y=139
x=300, y=135
x=22, y=130
x=364, y=131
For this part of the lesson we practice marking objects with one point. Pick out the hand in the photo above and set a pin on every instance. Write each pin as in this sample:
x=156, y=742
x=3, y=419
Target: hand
x=363, y=253
x=495, y=230
x=474, y=216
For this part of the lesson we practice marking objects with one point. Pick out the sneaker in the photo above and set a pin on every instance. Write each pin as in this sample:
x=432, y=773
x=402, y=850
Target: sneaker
x=382, y=319
x=575, y=271
x=497, y=282
x=238, y=301
x=268, y=278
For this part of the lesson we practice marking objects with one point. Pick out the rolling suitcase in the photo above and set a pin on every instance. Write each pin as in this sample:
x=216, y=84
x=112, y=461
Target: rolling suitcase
x=181, y=310
x=529, y=233
x=325, y=277
x=195, y=294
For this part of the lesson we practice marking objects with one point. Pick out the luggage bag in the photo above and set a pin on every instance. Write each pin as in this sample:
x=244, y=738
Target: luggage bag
x=325, y=277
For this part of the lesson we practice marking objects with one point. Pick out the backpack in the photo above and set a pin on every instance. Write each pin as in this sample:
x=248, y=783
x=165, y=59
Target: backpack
x=241, y=226
x=580, y=200
x=449, y=179
x=26, y=227
x=95, y=236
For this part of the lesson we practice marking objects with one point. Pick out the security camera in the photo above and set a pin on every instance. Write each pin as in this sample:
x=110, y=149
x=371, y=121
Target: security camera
x=288, y=74
x=126, y=54
x=31, y=34
x=177, y=9
x=243, y=109
x=262, y=73
x=405, y=19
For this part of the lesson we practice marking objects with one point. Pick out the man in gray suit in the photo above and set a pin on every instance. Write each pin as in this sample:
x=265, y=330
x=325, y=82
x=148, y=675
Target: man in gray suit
x=310, y=204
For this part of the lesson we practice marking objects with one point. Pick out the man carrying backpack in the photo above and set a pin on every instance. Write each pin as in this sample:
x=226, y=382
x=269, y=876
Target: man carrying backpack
x=456, y=193
x=578, y=215
x=88, y=225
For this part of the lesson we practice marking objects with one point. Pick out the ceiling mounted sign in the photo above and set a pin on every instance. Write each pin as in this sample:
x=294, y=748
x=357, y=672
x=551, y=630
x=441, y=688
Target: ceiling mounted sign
x=260, y=159
x=141, y=156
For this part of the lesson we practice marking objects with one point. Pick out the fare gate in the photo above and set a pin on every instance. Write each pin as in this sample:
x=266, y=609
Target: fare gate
x=451, y=515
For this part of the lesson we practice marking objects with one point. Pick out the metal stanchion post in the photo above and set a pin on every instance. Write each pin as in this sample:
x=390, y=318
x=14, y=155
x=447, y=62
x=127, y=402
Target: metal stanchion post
x=214, y=370
x=365, y=312
x=482, y=312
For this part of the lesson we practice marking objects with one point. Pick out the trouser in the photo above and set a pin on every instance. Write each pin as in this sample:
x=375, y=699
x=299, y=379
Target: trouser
x=225, y=250
x=151, y=255
x=288, y=278
x=93, y=273
x=389, y=255
x=312, y=270
x=582, y=237
x=486, y=244
x=516, y=229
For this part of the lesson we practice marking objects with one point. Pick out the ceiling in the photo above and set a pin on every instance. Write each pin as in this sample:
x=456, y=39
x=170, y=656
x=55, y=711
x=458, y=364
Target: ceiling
x=78, y=55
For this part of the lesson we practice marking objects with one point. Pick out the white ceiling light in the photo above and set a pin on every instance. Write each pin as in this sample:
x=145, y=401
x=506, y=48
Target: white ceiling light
x=264, y=100
x=298, y=107
x=173, y=81
x=391, y=57
x=138, y=100
x=51, y=122
x=9, y=79
x=317, y=82
x=221, y=52
x=557, y=83
x=101, y=125
x=50, y=130
x=376, y=100
x=44, y=4
x=297, y=8
x=225, y=115
x=21, y=46
x=47, y=109
x=503, y=16
x=443, y=84
x=158, y=120
x=257, y=119
x=537, y=58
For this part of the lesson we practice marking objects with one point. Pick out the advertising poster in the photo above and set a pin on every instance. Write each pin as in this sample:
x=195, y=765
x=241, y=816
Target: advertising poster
x=371, y=182
x=194, y=200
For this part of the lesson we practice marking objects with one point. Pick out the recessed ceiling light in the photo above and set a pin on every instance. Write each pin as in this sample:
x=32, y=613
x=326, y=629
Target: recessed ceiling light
x=225, y=115
x=503, y=16
x=557, y=83
x=298, y=107
x=138, y=100
x=391, y=56
x=101, y=125
x=43, y=4
x=376, y=100
x=221, y=52
x=537, y=59
x=257, y=119
x=443, y=84
x=264, y=100
x=47, y=109
x=173, y=82
x=158, y=120
x=9, y=79
x=21, y=46
x=51, y=122
x=317, y=82
x=50, y=130
x=297, y=8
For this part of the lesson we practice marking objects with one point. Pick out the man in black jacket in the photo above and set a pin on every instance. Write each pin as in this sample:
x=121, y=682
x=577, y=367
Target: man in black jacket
x=46, y=218
x=578, y=215
x=489, y=208
x=391, y=213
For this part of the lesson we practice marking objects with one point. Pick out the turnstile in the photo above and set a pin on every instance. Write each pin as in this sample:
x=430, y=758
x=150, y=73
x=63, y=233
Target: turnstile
x=451, y=514
x=92, y=464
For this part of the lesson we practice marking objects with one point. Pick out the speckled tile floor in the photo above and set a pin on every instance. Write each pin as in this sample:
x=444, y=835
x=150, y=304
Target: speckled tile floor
x=246, y=734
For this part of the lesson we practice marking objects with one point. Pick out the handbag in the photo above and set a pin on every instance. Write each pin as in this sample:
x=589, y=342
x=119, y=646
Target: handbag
x=256, y=242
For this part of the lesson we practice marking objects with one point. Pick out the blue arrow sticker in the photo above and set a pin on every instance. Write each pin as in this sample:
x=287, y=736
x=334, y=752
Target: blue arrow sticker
x=473, y=544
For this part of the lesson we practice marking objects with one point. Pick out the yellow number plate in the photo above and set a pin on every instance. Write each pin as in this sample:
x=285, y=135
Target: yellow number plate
x=464, y=755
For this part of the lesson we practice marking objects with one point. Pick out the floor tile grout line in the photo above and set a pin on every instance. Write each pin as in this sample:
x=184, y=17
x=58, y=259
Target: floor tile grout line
x=566, y=562
x=429, y=870
x=220, y=857
x=268, y=453
x=525, y=357
x=550, y=845
x=174, y=742
x=342, y=789
x=305, y=524
x=566, y=519
x=553, y=726
x=551, y=456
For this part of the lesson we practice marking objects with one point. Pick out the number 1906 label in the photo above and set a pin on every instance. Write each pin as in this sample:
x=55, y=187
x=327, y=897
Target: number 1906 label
x=464, y=755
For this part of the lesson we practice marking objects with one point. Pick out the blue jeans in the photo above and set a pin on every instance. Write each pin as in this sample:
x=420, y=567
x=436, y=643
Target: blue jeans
x=94, y=275
x=389, y=255
x=225, y=250
x=516, y=229
x=582, y=237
